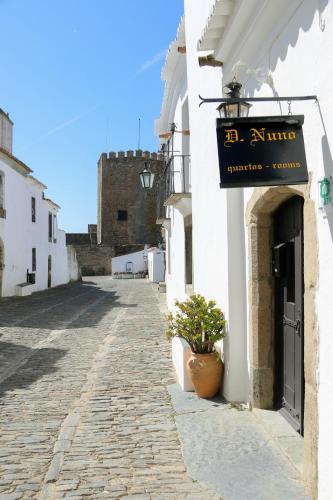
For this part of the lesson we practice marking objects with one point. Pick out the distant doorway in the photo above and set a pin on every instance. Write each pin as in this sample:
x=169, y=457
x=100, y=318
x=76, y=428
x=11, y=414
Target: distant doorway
x=49, y=271
x=2, y=264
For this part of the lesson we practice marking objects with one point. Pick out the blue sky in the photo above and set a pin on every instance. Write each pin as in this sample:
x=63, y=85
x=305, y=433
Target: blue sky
x=76, y=75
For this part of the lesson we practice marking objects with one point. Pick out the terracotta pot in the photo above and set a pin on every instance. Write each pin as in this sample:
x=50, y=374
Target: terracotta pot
x=205, y=371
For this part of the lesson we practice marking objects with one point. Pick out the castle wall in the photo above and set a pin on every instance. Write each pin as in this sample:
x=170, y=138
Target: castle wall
x=94, y=260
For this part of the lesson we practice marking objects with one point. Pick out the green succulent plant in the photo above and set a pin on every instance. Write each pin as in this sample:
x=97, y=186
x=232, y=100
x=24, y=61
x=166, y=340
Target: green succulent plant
x=199, y=322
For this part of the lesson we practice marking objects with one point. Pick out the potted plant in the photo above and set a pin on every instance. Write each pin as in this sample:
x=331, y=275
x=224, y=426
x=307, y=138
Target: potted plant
x=201, y=324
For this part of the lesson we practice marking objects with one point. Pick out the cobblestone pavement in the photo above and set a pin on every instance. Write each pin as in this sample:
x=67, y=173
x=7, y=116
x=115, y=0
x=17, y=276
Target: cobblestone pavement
x=84, y=410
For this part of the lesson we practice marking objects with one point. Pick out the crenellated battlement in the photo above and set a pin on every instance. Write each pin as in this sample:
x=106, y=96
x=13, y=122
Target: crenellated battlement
x=130, y=154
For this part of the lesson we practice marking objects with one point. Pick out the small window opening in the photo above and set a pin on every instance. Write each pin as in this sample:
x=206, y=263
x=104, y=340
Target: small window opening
x=34, y=262
x=55, y=229
x=1, y=191
x=122, y=214
x=33, y=209
x=50, y=226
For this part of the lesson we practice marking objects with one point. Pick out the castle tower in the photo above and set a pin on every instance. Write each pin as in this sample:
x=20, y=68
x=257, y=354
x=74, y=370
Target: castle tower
x=126, y=213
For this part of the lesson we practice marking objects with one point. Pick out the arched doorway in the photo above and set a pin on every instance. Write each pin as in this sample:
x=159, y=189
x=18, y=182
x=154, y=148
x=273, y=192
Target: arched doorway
x=49, y=271
x=2, y=265
x=265, y=213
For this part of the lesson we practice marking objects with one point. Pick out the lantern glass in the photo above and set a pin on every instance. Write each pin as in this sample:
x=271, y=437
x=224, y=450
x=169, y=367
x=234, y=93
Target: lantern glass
x=234, y=110
x=244, y=108
x=147, y=179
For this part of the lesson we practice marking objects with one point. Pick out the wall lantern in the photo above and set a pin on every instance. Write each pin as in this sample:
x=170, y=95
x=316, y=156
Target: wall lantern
x=233, y=109
x=147, y=177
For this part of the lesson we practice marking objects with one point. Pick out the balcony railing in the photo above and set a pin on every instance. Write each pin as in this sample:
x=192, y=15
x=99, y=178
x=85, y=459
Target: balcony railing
x=176, y=179
x=177, y=175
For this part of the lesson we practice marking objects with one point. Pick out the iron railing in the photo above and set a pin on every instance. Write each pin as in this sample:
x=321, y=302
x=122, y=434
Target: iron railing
x=177, y=175
x=175, y=179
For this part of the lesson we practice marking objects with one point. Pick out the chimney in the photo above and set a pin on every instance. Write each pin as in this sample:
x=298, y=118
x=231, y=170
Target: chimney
x=6, y=132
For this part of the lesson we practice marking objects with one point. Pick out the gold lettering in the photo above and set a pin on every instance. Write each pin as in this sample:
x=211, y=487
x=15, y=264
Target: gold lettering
x=286, y=165
x=257, y=135
x=277, y=136
x=291, y=135
x=231, y=136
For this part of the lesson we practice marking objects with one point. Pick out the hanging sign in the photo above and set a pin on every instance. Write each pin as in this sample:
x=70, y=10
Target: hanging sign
x=261, y=151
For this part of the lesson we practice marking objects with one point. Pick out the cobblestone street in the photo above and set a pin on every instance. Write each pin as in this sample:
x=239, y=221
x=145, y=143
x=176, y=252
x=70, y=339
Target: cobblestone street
x=84, y=408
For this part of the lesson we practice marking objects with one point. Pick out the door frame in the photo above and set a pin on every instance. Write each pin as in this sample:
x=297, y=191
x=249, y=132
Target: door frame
x=263, y=202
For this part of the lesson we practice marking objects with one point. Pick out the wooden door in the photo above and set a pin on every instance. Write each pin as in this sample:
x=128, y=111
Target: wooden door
x=289, y=340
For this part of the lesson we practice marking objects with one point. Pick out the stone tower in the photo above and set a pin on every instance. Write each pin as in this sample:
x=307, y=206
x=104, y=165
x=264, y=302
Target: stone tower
x=126, y=213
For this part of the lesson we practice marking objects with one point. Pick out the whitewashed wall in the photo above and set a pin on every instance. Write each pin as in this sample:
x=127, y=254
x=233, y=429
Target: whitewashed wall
x=286, y=40
x=218, y=252
x=156, y=265
x=273, y=48
x=73, y=265
x=138, y=260
x=175, y=109
x=19, y=235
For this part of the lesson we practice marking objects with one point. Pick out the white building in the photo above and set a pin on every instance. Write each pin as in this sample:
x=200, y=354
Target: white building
x=274, y=49
x=137, y=264
x=32, y=247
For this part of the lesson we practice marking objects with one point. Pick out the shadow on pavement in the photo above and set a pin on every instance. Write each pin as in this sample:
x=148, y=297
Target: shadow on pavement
x=59, y=308
x=36, y=364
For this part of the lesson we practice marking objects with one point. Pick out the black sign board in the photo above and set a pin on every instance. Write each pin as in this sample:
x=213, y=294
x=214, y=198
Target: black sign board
x=261, y=151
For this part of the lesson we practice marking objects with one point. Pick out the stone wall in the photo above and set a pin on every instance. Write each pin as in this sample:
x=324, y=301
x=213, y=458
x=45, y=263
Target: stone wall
x=77, y=239
x=119, y=189
x=94, y=260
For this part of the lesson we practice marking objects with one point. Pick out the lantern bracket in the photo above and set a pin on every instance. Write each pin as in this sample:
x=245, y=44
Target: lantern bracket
x=238, y=100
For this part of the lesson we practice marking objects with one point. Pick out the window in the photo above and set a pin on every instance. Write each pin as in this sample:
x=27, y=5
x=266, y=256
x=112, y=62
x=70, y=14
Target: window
x=2, y=195
x=33, y=266
x=122, y=214
x=33, y=209
x=50, y=227
x=54, y=229
x=1, y=191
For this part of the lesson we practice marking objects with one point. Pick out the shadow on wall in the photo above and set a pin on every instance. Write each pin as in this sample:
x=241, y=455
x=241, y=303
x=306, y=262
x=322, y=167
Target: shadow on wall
x=328, y=168
x=39, y=363
x=302, y=18
x=81, y=305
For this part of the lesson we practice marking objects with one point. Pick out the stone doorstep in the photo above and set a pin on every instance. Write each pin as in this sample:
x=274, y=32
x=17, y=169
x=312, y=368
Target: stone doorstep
x=283, y=435
x=243, y=443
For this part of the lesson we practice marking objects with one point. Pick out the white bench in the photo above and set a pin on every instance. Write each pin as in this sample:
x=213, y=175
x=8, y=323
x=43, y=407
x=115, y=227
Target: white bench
x=24, y=289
